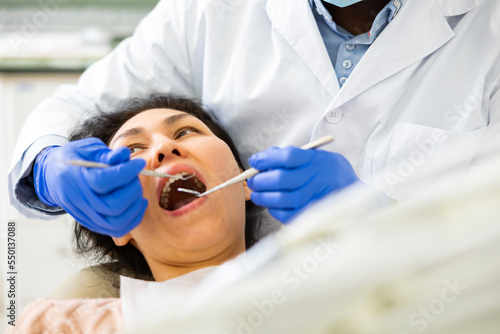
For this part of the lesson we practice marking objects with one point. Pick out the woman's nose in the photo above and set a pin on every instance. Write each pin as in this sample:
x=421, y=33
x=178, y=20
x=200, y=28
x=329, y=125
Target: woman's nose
x=165, y=150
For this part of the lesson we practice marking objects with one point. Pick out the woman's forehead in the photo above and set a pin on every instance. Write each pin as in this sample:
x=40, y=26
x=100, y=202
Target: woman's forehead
x=153, y=116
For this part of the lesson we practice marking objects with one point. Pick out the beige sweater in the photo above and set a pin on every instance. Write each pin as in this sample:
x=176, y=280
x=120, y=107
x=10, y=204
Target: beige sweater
x=79, y=316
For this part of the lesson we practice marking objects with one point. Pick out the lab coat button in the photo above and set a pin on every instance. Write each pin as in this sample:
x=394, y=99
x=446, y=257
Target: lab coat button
x=342, y=81
x=350, y=47
x=334, y=116
x=347, y=64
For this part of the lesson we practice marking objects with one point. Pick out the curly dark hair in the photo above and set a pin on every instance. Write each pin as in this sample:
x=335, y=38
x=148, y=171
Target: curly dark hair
x=128, y=260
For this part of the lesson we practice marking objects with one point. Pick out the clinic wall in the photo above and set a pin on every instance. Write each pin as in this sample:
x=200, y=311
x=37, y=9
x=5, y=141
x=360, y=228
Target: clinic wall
x=44, y=253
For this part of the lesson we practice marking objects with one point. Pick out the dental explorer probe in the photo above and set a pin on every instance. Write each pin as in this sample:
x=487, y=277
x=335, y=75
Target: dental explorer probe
x=252, y=171
x=146, y=172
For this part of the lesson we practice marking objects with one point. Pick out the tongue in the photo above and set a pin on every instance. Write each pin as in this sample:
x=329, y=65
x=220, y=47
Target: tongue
x=178, y=199
x=172, y=206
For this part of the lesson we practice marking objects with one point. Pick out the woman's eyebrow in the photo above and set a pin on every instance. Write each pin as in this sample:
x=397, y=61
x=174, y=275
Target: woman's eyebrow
x=175, y=118
x=130, y=132
x=139, y=130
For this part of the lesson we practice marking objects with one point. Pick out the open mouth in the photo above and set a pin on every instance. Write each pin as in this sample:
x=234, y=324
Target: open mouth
x=171, y=199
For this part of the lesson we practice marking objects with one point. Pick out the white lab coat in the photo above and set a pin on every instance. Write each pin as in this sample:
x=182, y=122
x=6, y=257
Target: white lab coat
x=429, y=81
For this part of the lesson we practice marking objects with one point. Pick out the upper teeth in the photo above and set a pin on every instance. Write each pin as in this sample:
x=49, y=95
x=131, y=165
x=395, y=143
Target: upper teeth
x=166, y=187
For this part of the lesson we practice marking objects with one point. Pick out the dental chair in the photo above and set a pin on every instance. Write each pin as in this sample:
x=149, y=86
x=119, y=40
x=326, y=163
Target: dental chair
x=99, y=281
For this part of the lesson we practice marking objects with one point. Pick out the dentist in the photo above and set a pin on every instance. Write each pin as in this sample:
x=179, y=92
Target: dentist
x=393, y=81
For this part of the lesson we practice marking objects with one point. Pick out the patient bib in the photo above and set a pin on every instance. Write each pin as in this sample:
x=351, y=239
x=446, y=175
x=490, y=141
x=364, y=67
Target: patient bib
x=141, y=299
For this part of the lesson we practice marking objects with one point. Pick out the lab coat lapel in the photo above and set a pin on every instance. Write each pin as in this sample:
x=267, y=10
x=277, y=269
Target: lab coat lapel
x=296, y=24
x=416, y=32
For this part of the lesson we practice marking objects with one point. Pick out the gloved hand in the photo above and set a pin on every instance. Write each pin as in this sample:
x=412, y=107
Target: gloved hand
x=105, y=200
x=291, y=178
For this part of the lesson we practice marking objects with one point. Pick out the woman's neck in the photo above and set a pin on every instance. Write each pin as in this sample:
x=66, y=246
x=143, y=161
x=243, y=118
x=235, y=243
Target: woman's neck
x=357, y=18
x=164, y=271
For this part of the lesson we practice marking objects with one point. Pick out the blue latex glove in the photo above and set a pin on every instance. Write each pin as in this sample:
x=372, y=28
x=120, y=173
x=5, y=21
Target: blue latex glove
x=105, y=200
x=292, y=178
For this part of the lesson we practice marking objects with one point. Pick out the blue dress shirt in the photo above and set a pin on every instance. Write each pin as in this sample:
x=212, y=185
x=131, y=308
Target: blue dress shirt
x=345, y=49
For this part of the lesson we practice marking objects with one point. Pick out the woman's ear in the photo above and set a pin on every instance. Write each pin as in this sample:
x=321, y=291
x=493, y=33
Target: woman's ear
x=122, y=241
x=248, y=191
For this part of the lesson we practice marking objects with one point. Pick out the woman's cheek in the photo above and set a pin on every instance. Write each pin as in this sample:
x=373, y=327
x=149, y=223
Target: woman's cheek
x=226, y=167
x=148, y=187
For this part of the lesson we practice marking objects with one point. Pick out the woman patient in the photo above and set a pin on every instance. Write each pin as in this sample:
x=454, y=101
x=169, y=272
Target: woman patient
x=179, y=233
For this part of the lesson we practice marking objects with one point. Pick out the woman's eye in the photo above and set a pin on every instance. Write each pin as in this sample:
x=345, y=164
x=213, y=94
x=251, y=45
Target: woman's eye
x=185, y=131
x=135, y=148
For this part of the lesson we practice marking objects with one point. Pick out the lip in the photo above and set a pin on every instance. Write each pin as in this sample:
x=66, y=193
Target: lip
x=173, y=170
